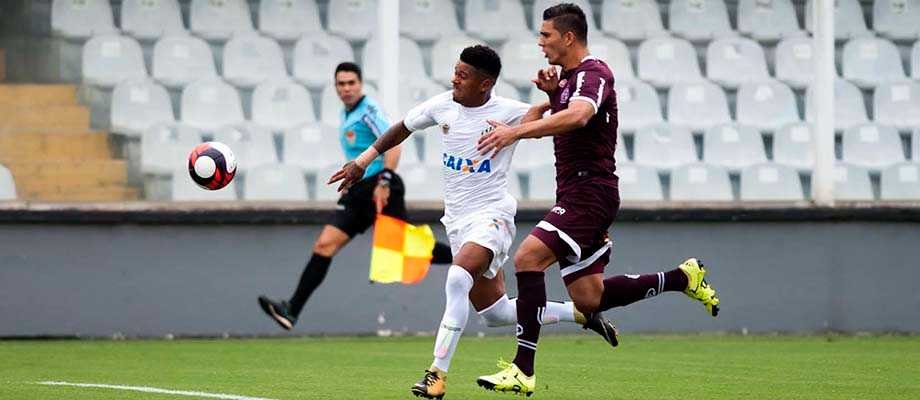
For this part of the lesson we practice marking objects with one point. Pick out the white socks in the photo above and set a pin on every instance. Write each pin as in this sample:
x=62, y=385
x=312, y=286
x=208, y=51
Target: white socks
x=504, y=312
x=456, y=311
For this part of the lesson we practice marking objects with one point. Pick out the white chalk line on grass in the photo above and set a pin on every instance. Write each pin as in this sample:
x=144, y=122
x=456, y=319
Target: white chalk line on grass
x=146, y=389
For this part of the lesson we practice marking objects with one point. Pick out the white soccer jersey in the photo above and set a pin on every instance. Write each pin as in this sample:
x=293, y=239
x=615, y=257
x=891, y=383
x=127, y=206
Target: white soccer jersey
x=472, y=182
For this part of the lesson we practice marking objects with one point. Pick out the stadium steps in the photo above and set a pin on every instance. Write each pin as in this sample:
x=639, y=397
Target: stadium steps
x=46, y=143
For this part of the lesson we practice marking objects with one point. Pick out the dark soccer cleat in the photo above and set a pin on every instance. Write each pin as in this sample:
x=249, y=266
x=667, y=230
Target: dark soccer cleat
x=602, y=326
x=278, y=311
x=431, y=386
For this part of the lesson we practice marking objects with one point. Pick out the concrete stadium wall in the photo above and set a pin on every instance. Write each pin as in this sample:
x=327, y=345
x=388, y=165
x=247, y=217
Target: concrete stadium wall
x=152, y=280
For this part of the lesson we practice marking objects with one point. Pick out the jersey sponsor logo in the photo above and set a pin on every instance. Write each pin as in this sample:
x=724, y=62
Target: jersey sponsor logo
x=557, y=210
x=467, y=165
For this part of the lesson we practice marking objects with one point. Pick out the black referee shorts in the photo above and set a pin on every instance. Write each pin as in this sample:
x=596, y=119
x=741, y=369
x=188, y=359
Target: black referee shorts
x=359, y=211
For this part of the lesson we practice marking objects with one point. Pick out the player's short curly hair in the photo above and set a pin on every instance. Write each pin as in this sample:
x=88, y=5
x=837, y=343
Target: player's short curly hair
x=484, y=59
x=568, y=17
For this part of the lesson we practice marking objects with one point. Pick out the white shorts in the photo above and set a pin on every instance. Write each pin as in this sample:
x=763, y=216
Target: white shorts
x=490, y=231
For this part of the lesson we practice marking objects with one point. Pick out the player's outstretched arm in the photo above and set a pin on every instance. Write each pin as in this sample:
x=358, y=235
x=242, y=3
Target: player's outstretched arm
x=353, y=170
x=575, y=116
x=535, y=112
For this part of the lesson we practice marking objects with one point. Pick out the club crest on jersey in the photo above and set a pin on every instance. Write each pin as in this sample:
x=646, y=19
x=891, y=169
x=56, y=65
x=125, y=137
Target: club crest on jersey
x=564, y=98
x=445, y=128
x=467, y=165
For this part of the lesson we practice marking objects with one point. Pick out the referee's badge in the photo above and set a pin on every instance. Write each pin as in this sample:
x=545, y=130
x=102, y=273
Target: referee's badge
x=350, y=137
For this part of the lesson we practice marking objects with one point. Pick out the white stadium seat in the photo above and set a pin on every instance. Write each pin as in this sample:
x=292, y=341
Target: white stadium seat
x=7, y=185
x=288, y=20
x=542, y=183
x=415, y=92
x=733, y=146
x=279, y=104
x=495, y=20
x=868, y=62
x=848, y=19
x=666, y=61
x=767, y=105
x=849, y=107
x=540, y=5
x=698, y=105
x=852, y=183
x=699, y=20
x=139, y=104
x=322, y=191
x=534, y=153
x=872, y=146
x=209, y=104
x=793, y=146
x=897, y=19
x=166, y=146
x=615, y=54
x=81, y=19
x=795, y=62
x=898, y=104
x=411, y=64
x=432, y=147
x=253, y=145
x=355, y=20
x=664, y=147
x=631, y=20
x=733, y=61
x=312, y=146
x=184, y=189
x=218, y=21
x=915, y=61
x=768, y=20
x=901, y=182
x=250, y=59
x=521, y=59
x=331, y=106
x=179, y=60
x=110, y=59
x=423, y=182
x=149, y=20
x=505, y=89
x=444, y=56
x=427, y=20
x=700, y=182
x=316, y=56
x=770, y=182
x=275, y=182
x=915, y=144
x=639, y=183
x=638, y=104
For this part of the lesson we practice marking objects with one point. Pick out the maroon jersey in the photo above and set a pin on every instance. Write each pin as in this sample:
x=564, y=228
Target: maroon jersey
x=586, y=152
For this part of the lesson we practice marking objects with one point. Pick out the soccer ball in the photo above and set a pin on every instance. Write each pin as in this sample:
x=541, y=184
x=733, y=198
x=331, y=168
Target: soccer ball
x=212, y=165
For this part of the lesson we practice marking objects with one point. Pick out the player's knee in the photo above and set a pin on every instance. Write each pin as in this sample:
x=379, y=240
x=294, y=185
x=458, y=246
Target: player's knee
x=459, y=282
x=325, y=248
x=527, y=261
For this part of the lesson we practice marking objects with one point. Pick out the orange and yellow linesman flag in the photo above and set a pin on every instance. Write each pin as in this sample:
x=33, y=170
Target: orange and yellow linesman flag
x=401, y=252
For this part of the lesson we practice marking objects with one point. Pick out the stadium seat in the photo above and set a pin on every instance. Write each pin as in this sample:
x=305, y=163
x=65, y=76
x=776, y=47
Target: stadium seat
x=768, y=105
x=533, y=153
x=795, y=62
x=615, y=54
x=698, y=105
x=7, y=185
x=638, y=102
x=699, y=20
x=444, y=56
x=110, y=59
x=505, y=89
x=331, y=106
x=770, y=182
x=139, y=104
x=540, y=5
x=700, y=182
x=312, y=146
x=852, y=183
x=288, y=20
x=514, y=184
x=184, y=189
x=664, y=146
x=422, y=182
x=872, y=146
x=915, y=61
x=355, y=20
x=898, y=104
x=209, y=104
x=733, y=146
x=411, y=64
x=279, y=104
x=666, y=61
x=433, y=147
x=733, y=61
x=521, y=59
x=149, y=20
x=81, y=19
x=495, y=20
x=915, y=144
x=427, y=20
x=275, y=182
x=901, y=182
x=848, y=19
x=631, y=20
x=166, y=146
x=849, y=108
x=411, y=153
x=639, y=183
x=414, y=92
x=218, y=21
x=896, y=19
x=322, y=191
x=768, y=20
x=620, y=154
x=868, y=62
x=252, y=144
x=542, y=183
x=179, y=60
x=250, y=59
x=316, y=56
x=792, y=146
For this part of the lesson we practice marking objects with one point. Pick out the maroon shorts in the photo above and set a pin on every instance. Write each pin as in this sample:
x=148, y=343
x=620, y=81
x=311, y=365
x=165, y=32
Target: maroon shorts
x=575, y=229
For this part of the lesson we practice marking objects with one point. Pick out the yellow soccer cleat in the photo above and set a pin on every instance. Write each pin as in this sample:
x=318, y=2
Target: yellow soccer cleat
x=697, y=287
x=431, y=386
x=509, y=379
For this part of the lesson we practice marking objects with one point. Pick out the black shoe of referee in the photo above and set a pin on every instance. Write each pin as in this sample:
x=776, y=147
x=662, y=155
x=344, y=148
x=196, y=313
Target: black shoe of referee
x=278, y=311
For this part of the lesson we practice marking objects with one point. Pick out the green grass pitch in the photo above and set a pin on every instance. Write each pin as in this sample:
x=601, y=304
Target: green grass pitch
x=657, y=367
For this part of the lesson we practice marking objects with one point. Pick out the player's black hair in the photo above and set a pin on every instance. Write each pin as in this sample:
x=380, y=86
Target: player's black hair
x=349, y=67
x=484, y=59
x=568, y=17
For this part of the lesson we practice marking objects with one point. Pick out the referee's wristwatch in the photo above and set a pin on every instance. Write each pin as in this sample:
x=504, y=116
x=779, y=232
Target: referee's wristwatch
x=385, y=177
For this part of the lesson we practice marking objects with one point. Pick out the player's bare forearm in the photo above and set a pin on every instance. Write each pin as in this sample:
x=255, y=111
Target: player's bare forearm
x=535, y=112
x=353, y=170
x=392, y=137
x=575, y=116
x=391, y=158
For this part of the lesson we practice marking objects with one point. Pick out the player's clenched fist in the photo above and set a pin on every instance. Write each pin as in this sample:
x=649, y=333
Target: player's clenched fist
x=349, y=174
x=547, y=80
